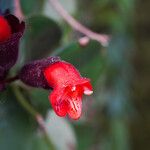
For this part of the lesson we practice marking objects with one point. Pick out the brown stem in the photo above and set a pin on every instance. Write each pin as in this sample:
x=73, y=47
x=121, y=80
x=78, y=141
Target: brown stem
x=17, y=11
x=42, y=126
x=12, y=79
x=102, y=38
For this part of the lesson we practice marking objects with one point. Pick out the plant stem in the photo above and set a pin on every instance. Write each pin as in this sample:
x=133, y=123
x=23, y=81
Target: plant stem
x=24, y=102
x=17, y=10
x=41, y=123
x=102, y=38
x=31, y=110
x=12, y=79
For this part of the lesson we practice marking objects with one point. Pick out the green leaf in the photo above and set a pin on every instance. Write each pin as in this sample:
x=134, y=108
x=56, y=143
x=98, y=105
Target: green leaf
x=41, y=37
x=84, y=136
x=17, y=128
x=40, y=100
x=15, y=124
x=88, y=59
x=37, y=142
x=119, y=134
x=31, y=6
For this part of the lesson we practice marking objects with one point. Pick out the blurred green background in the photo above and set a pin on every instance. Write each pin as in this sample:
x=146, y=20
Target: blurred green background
x=117, y=115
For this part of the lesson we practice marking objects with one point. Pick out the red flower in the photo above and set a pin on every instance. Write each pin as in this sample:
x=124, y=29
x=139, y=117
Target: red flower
x=68, y=88
x=11, y=30
x=63, y=78
x=5, y=29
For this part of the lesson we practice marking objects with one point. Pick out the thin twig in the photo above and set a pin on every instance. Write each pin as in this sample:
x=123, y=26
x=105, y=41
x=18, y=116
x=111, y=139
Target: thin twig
x=41, y=123
x=8, y=80
x=17, y=11
x=31, y=110
x=102, y=38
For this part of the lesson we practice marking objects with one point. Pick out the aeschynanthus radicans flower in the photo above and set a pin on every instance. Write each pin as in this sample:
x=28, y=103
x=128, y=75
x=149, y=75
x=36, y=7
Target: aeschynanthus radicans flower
x=65, y=80
x=68, y=88
x=11, y=30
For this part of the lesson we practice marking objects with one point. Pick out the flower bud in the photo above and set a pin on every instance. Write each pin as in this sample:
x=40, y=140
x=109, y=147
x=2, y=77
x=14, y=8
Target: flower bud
x=9, y=43
x=32, y=73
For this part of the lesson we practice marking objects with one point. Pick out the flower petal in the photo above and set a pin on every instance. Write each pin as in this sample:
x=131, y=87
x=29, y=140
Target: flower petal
x=58, y=102
x=5, y=29
x=86, y=86
x=61, y=74
x=75, y=108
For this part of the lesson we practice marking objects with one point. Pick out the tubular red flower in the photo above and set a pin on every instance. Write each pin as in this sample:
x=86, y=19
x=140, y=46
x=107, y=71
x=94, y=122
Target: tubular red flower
x=68, y=88
x=67, y=85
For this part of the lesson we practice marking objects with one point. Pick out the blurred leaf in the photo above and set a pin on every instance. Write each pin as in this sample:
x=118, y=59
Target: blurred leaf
x=119, y=135
x=6, y=4
x=37, y=142
x=84, y=136
x=60, y=132
x=42, y=35
x=31, y=6
x=15, y=125
x=17, y=128
x=88, y=59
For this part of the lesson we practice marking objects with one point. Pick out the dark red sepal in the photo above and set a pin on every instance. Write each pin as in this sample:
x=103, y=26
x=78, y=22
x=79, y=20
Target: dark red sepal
x=32, y=73
x=9, y=48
